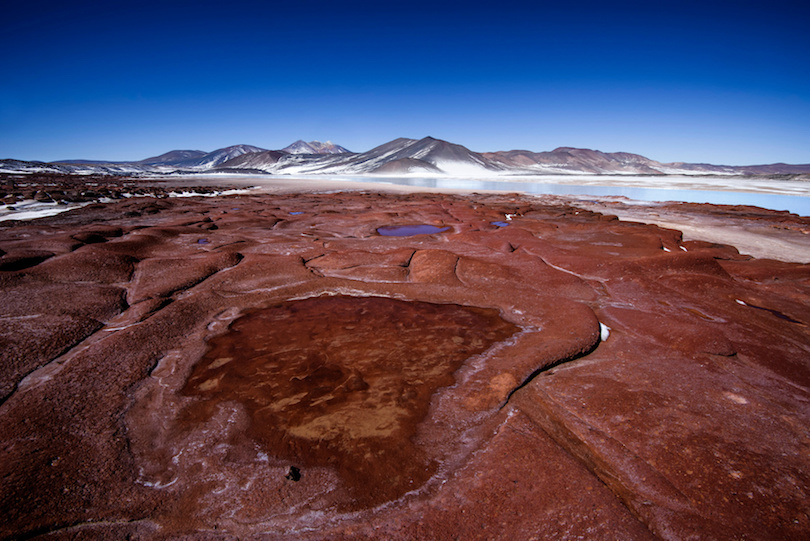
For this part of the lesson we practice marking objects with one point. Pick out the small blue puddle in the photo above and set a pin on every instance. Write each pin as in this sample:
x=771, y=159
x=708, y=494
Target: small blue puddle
x=410, y=230
x=500, y=224
x=780, y=315
x=296, y=213
x=202, y=241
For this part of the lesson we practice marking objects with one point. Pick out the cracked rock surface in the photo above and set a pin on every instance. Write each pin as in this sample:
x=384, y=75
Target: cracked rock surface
x=272, y=367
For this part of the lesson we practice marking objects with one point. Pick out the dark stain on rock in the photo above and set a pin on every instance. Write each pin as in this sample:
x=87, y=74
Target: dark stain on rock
x=23, y=259
x=294, y=474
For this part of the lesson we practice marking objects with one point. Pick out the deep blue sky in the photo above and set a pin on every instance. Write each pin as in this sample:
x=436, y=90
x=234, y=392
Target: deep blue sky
x=720, y=82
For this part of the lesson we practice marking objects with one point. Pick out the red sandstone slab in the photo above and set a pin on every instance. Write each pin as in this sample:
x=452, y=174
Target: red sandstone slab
x=689, y=420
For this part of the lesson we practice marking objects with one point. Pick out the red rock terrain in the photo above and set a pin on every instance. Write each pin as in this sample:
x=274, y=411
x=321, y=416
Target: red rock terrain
x=271, y=367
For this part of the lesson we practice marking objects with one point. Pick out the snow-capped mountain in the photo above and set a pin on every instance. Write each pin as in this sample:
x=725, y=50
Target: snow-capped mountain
x=315, y=147
x=212, y=159
x=424, y=157
x=21, y=166
x=431, y=154
x=407, y=166
x=400, y=156
x=70, y=167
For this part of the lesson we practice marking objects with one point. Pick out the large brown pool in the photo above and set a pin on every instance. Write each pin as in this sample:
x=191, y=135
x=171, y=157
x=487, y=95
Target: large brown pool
x=343, y=382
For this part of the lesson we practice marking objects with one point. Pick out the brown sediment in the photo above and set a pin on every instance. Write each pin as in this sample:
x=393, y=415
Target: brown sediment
x=343, y=382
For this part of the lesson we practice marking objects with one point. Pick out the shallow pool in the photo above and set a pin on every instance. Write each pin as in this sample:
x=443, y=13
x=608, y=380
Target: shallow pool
x=410, y=230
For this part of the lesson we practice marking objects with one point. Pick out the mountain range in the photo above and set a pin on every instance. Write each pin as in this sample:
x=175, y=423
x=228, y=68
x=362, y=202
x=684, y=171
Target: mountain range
x=400, y=157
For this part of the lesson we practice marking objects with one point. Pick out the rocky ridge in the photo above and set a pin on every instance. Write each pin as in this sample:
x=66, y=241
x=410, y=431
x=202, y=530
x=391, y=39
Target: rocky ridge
x=610, y=379
x=427, y=156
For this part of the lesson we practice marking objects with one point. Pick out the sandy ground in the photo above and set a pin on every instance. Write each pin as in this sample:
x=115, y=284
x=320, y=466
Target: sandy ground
x=761, y=240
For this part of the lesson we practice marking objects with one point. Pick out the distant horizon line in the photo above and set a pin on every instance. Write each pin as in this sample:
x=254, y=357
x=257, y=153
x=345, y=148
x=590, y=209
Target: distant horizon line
x=329, y=141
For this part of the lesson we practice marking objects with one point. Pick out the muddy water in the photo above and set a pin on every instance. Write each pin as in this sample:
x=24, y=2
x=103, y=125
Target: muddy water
x=343, y=382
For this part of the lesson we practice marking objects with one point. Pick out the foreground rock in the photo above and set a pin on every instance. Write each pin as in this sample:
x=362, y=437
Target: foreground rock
x=272, y=367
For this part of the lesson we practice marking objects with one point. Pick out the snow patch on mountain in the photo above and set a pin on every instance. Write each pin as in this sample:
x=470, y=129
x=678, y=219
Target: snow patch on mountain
x=217, y=157
x=461, y=169
x=403, y=156
x=314, y=147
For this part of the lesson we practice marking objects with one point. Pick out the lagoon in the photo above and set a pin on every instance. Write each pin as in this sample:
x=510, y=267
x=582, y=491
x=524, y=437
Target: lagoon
x=793, y=196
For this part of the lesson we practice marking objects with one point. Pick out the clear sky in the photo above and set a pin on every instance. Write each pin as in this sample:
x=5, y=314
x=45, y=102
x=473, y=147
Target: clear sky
x=723, y=82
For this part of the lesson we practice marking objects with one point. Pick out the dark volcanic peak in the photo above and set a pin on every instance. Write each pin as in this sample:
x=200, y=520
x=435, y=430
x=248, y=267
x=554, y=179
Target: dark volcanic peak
x=85, y=162
x=776, y=168
x=329, y=148
x=766, y=169
x=569, y=159
x=315, y=147
x=253, y=160
x=173, y=157
x=599, y=162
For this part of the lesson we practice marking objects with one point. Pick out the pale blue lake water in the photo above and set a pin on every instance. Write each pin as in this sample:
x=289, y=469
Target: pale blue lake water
x=794, y=203
x=798, y=204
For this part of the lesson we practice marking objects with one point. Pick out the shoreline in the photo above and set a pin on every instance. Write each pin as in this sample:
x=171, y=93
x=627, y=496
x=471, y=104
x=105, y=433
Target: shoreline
x=752, y=185
x=758, y=238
